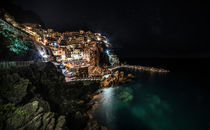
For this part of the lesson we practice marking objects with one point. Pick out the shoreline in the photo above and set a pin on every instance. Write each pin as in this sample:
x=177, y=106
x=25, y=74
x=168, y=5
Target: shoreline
x=94, y=102
x=92, y=123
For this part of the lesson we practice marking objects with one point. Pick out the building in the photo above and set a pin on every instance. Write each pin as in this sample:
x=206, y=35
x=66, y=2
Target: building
x=77, y=54
x=59, y=53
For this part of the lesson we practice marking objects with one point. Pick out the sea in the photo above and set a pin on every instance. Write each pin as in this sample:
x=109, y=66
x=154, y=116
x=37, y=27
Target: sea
x=178, y=100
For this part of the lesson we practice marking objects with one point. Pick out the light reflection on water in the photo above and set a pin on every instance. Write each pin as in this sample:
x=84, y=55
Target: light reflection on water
x=107, y=105
x=150, y=105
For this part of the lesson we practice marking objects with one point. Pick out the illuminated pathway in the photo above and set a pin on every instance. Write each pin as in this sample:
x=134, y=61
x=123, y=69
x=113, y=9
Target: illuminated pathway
x=140, y=68
x=82, y=79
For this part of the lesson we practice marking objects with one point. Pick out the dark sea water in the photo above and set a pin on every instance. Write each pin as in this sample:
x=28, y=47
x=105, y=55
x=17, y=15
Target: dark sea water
x=179, y=100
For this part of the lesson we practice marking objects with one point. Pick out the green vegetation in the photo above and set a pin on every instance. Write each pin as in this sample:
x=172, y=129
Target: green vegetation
x=20, y=112
x=6, y=111
x=16, y=45
x=15, y=49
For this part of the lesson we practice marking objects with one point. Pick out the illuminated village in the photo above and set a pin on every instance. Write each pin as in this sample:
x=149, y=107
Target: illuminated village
x=67, y=68
x=79, y=55
x=87, y=65
x=74, y=52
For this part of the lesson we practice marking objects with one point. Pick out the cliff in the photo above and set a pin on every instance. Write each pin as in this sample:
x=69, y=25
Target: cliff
x=39, y=98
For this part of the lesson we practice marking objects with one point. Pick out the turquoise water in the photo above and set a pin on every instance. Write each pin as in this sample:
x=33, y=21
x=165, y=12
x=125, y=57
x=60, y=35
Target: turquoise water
x=155, y=102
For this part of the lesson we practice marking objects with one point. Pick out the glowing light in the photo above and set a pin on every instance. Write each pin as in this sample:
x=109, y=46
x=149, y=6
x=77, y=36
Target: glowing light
x=61, y=67
x=55, y=43
x=107, y=44
x=45, y=56
x=45, y=40
x=77, y=56
x=105, y=41
x=41, y=52
x=37, y=39
x=88, y=40
x=106, y=76
x=29, y=28
x=63, y=57
x=98, y=38
x=98, y=34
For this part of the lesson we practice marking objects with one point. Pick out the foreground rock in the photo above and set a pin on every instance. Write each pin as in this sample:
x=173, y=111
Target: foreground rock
x=38, y=98
x=33, y=116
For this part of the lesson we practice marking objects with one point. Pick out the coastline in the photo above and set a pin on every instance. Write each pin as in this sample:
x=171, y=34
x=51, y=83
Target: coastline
x=73, y=101
x=117, y=77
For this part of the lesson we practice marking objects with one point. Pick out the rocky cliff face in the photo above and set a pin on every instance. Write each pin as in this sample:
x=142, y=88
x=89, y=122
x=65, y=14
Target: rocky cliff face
x=33, y=116
x=38, y=98
x=116, y=78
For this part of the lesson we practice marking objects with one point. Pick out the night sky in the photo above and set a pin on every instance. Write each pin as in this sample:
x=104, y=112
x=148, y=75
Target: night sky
x=147, y=28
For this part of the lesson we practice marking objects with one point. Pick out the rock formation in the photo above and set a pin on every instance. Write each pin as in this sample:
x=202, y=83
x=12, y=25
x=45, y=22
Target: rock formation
x=33, y=116
x=116, y=78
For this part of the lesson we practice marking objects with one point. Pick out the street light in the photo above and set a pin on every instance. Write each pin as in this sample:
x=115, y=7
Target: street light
x=88, y=40
x=41, y=52
x=107, y=51
x=98, y=38
x=55, y=44
x=105, y=41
